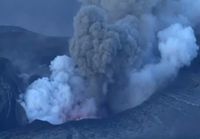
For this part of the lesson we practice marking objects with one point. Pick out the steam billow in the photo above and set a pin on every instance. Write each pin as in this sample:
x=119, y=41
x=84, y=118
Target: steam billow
x=121, y=53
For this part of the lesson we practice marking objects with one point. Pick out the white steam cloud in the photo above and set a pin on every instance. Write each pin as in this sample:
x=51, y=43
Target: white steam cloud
x=60, y=97
x=121, y=53
x=177, y=46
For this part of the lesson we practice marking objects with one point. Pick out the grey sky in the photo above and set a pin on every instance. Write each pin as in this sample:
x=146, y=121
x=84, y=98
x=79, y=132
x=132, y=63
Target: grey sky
x=51, y=17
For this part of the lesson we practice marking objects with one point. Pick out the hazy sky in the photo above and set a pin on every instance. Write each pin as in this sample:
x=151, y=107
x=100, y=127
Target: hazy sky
x=52, y=17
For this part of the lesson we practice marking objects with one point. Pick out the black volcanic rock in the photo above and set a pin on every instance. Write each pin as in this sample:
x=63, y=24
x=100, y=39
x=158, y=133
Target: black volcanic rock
x=172, y=113
x=10, y=87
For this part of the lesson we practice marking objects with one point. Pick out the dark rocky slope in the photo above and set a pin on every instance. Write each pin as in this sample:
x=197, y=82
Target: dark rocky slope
x=10, y=88
x=173, y=112
x=29, y=51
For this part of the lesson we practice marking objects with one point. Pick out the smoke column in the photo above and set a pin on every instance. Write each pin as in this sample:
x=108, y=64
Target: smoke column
x=121, y=53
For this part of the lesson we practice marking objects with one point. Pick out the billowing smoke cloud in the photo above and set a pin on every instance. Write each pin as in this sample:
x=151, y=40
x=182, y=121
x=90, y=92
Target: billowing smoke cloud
x=177, y=47
x=102, y=51
x=123, y=51
x=57, y=98
x=100, y=48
